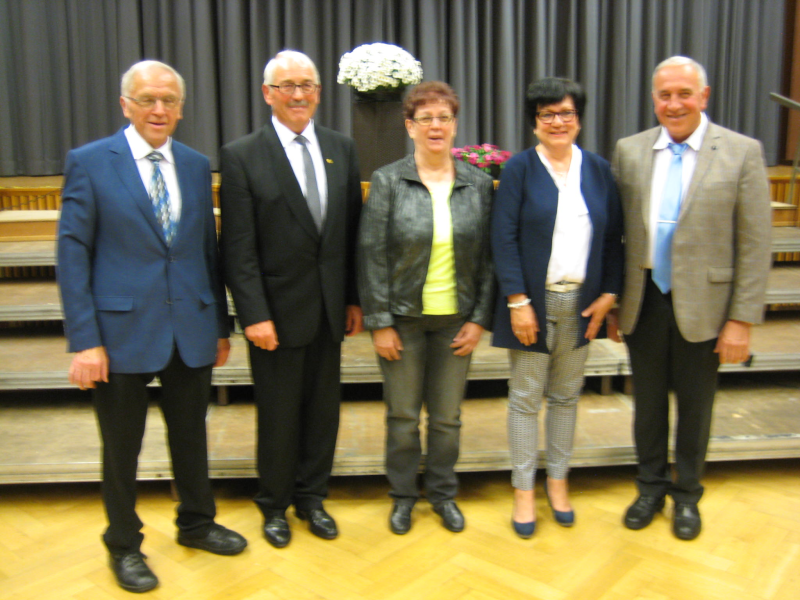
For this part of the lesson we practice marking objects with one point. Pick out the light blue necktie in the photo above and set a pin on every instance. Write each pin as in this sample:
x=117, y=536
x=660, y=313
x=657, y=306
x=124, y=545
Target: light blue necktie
x=668, y=219
x=159, y=195
x=312, y=191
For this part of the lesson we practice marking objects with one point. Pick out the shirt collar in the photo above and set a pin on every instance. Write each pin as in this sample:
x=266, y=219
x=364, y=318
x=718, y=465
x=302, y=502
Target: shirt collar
x=287, y=136
x=140, y=148
x=694, y=141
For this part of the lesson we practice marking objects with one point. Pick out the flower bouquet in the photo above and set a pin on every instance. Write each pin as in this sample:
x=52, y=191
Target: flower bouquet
x=486, y=157
x=375, y=68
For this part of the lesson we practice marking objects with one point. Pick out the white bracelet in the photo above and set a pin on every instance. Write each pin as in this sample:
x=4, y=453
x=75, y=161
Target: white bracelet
x=519, y=304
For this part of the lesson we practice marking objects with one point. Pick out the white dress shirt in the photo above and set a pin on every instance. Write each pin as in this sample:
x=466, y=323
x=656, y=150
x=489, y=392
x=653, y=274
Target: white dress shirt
x=572, y=234
x=140, y=149
x=662, y=158
x=294, y=152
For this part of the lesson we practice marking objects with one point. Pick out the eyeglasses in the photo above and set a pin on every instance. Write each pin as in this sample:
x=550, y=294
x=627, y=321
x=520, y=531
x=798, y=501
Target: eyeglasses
x=288, y=87
x=427, y=121
x=169, y=102
x=567, y=116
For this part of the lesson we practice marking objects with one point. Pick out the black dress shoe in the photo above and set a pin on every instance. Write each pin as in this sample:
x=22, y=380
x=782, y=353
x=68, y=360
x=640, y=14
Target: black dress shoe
x=400, y=519
x=686, y=523
x=131, y=572
x=452, y=519
x=276, y=530
x=641, y=513
x=218, y=540
x=320, y=523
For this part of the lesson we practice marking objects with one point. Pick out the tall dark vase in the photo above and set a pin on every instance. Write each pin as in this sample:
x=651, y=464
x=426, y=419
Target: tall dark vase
x=378, y=129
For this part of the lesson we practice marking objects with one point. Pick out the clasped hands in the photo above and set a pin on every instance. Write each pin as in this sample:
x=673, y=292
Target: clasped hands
x=389, y=346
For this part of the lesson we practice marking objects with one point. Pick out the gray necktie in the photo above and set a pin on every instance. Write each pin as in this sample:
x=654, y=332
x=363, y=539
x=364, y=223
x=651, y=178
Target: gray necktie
x=312, y=191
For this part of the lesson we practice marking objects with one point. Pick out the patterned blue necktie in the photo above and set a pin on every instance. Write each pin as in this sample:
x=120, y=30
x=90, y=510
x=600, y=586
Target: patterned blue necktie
x=159, y=195
x=668, y=219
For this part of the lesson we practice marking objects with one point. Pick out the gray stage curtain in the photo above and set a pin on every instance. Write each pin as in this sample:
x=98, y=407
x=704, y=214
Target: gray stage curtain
x=61, y=60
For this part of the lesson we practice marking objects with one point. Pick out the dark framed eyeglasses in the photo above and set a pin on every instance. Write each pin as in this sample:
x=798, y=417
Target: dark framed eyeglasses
x=567, y=116
x=428, y=121
x=287, y=87
x=169, y=102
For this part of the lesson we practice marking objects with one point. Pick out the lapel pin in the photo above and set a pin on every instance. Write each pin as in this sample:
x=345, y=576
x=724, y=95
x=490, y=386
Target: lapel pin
x=329, y=161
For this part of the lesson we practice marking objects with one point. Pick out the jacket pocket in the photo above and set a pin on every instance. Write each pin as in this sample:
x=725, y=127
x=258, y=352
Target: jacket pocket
x=720, y=274
x=207, y=298
x=114, y=303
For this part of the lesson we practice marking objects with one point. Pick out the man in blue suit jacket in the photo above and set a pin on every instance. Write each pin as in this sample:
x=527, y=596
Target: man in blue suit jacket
x=143, y=296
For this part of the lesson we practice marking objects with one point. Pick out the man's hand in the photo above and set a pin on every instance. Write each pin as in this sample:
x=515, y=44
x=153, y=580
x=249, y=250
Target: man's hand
x=467, y=338
x=262, y=334
x=597, y=310
x=387, y=343
x=612, y=325
x=223, y=350
x=355, y=320
x=89, y=366
x=733, y=344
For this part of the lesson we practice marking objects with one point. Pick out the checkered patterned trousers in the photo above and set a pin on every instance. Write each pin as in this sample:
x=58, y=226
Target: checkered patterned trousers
x=557, y=376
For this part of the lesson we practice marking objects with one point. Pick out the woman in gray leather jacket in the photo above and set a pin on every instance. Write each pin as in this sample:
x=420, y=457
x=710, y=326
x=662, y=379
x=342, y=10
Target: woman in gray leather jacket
x=426, y=287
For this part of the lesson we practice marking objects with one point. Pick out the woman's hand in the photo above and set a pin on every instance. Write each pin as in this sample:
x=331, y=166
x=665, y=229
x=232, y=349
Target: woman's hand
x=468, y=337
x=523, y=320
x=597, y=311
x=387, y=343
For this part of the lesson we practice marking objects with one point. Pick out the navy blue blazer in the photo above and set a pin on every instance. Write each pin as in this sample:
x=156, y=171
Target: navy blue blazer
x=122, y=287
x=523, y=219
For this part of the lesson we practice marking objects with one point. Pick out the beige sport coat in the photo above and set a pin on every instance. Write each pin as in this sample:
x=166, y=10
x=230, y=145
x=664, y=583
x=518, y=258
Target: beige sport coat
x=721, y=249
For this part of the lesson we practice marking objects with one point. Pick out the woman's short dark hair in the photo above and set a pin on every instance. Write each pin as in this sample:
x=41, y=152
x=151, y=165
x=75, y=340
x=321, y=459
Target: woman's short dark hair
x=552, y=90
x=429, y=92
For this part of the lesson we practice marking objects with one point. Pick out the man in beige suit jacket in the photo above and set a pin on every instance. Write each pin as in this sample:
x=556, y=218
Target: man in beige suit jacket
x=680, y=329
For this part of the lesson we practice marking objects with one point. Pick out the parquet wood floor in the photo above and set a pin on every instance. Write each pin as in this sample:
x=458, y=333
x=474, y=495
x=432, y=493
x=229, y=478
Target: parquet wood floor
x=749, y=548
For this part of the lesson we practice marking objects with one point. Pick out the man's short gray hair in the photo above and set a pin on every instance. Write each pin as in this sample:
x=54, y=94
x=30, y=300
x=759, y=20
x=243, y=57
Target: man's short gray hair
x=127, y=78
x=678, y=61
x=284, y=59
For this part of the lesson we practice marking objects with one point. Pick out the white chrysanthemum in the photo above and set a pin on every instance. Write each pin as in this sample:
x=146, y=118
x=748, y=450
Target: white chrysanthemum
x=374, y=67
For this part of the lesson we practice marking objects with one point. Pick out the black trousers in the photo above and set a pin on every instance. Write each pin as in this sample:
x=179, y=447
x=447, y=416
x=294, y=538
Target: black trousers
x=121, y=407
x=297, y=394
x=661, y=359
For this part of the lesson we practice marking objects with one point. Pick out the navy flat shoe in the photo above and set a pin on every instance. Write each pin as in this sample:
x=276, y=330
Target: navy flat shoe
x=523, y=530
x=563, y=518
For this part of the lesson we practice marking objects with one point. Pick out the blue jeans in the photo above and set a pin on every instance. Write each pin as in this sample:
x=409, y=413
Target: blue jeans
x=428, y=372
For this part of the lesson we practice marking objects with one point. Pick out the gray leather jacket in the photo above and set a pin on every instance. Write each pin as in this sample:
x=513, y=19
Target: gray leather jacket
x=395, y=239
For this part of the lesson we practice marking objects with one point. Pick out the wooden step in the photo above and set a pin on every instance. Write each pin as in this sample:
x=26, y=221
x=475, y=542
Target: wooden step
x=37, y=300
x=783, y=286
x=28, y=254
x=38, y=359
x=47, y=438
x=28, y=225
x=786, y=239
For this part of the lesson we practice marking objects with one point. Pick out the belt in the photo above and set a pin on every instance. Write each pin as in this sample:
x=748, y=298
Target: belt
x=563, y=286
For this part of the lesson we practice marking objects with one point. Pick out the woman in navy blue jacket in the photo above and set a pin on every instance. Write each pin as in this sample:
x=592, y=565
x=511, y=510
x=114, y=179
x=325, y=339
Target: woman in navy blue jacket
x=557, y=246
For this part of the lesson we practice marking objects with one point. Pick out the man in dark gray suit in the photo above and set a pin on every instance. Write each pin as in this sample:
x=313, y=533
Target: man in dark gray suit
x=291, y=200
x=697, y=232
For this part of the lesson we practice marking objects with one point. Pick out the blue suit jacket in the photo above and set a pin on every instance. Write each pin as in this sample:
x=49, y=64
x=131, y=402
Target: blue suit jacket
x=523, y=219
x=122, y=287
